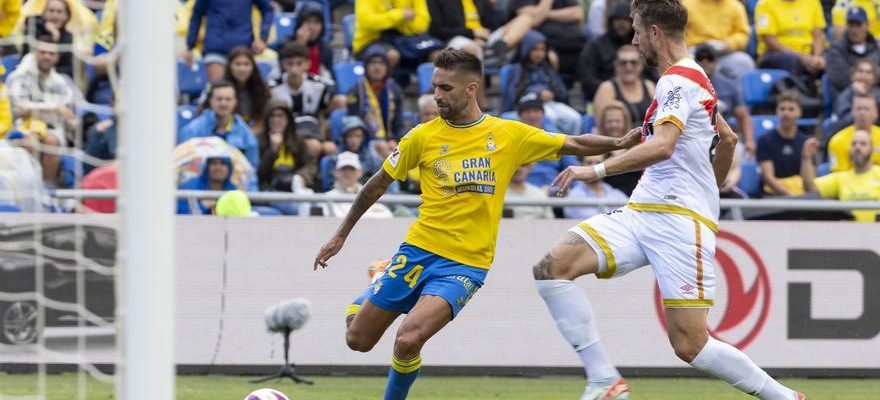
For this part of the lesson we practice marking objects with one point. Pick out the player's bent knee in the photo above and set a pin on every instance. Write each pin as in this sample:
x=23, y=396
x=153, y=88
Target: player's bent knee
x=358, y=342
x=687, y=351
x=408, y=344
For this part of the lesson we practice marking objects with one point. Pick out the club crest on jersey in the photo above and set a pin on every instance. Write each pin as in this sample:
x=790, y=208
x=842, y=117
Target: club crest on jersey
x=490, y=142
x=444, y=149
x=673, y=99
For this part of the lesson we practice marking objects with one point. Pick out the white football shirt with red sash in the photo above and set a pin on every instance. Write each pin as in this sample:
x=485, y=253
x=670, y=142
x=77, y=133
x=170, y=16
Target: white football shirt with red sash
x=686, y=181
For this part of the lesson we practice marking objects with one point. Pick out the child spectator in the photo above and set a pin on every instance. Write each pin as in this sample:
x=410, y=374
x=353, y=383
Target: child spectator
x=283, y=153
x=627, y=86
x=222, y=121
x=228, y=24
x=251, y=91
x=348, y=173
x=310, y=33
x=595, y=189
x=305, y=93
x=779, y=151
x=534, y=74
x=377, y=98
x=356, y=140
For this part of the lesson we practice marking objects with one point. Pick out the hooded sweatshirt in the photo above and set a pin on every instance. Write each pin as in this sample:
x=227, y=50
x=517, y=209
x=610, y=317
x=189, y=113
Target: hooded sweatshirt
x=596, y=64
x=196, y=206
x=527, y=77
x=239, y=134
x=381, y=110
x=320, y=52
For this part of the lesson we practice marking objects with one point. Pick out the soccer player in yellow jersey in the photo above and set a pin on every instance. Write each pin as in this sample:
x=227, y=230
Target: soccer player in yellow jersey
x=669, y=222
x=465, y=160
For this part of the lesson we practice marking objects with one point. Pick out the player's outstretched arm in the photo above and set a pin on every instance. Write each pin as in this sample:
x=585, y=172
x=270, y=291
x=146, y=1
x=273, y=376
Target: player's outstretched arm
x=369, y=194
x=593, y=145
x=659, y=148
x=723, y=157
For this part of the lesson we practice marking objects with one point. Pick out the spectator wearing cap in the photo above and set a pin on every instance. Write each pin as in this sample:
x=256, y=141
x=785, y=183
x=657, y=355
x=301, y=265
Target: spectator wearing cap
x=730, y=101
x=309, y=32
x=860, y=183
x=428, y=109
x=520, y=189
x=595, y=189
x=627, y=86
x=724, y=25
x=864, y=115
x=283, y=153
x=791, y=36
x=304, y=92
x=534, y=74
x=356, y=140
x=377, y=99
x=845, y=11
x=562, y=25
x=530, y=110
x=221, y=120
x=228, y=23
x=856, y=42
x=347, y=174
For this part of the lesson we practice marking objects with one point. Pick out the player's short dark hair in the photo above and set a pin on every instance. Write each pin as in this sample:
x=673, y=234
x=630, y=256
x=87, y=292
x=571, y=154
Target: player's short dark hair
x=670, y=15
x=293, y=49
x=458, y=60
x=789, y=95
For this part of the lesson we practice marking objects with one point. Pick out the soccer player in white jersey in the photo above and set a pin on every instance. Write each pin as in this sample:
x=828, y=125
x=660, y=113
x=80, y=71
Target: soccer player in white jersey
x=670, y=222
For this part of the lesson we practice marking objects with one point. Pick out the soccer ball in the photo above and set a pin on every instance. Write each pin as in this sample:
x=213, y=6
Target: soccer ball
x=266, y=394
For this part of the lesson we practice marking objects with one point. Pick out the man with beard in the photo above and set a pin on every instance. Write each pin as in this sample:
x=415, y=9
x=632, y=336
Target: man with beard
x=466, y=160
x=669, y=223
x=862, y=183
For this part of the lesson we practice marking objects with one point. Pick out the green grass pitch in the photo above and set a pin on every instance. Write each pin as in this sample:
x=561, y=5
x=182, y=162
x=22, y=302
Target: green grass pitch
x=64, y=387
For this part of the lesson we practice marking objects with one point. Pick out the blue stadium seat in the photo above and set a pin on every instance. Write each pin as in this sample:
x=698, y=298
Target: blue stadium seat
x=424, y=73
x=9, y=208
x=763, y=124
x=336, y=126
x=827, y=100
x=808, y=123
x=265, y=68
x=511, y=115
x=756, y=85
x=823, y=169
x=10, y=62
x=504, y=76
x=587, y=123
x=185, y=115
x=191, y=81
x=347, y=74
x=348, y=30
x=327, y=165
x=284, y=27
x=750, y=178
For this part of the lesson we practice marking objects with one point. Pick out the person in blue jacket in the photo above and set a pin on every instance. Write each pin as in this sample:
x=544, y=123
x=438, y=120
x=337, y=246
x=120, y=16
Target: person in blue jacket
x=221, y=120
x=215, y=176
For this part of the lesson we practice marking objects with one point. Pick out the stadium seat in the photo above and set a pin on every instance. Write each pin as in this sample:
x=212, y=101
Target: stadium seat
x=756, y=85
x=191, y=81
x=763, y=124
x=823, y=169
x=185, y=115
x=284, y=26
x=10, y=62
x=9, y=208
x=587, y=123
x=504, y=76
x=336, y=126
x=424, y=73
x=265, y=68
x=750, y=178
x=827, y=100
x=347, y=74
x=808, y=123
x=348, y=30
x=752, y=44
x=327, y=165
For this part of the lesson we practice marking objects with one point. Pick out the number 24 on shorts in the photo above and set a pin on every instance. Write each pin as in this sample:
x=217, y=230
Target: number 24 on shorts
x=411, y=277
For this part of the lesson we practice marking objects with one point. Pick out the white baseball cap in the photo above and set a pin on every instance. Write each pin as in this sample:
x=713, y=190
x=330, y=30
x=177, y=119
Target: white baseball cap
x=348, y=159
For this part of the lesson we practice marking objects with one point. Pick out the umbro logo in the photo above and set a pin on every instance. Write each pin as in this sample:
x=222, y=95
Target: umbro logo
x=687, y=288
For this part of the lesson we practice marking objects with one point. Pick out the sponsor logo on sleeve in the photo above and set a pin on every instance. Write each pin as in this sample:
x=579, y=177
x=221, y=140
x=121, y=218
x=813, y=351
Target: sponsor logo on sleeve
x=394, y=157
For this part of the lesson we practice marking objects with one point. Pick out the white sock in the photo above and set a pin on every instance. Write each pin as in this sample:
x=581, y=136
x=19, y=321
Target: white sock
x=571, y=310
x=727, y=363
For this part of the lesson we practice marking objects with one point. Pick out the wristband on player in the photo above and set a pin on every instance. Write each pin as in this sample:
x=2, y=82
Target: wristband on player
x=600, y=170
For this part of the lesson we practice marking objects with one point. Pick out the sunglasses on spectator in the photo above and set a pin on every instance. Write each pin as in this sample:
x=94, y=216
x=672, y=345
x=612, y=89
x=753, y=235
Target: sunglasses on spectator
x=630, y=62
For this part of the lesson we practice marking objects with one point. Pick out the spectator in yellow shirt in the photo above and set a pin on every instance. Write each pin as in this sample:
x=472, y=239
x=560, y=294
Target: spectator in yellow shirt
x=10, y=11
x=791, y=35
x=860, y=183
x=724, y=25
x=373, y=17
x=864, y=112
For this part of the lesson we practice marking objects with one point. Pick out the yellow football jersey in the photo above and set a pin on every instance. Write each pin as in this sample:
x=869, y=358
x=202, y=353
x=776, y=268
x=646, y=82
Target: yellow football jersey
x=849, y=186
x=465, y=171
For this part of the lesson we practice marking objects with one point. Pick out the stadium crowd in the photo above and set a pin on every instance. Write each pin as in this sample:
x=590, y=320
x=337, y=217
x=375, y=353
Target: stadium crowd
x=312, y=96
